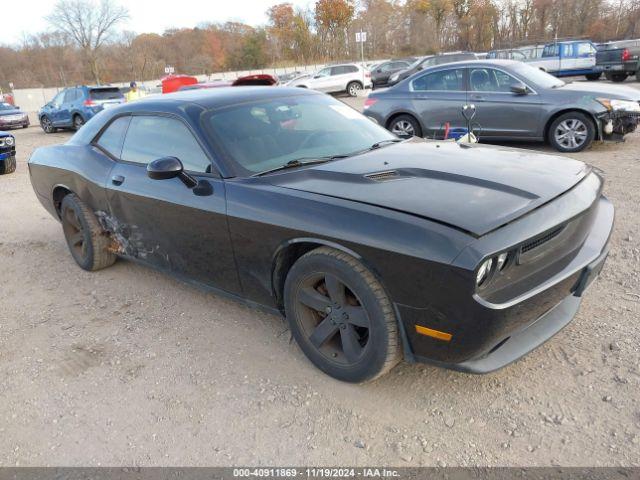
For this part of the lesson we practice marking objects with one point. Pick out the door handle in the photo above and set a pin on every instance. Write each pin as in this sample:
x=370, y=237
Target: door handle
x=117, y=179
x=477, y=97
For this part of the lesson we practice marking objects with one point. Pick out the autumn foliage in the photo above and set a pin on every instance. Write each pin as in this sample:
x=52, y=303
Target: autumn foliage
x=323, y=32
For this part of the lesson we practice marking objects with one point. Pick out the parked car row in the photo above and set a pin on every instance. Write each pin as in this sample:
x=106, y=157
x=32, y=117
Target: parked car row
x=512, y=101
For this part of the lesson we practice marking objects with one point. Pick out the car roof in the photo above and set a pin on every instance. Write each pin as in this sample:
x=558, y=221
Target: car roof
x=482, y=62
x=223, y=96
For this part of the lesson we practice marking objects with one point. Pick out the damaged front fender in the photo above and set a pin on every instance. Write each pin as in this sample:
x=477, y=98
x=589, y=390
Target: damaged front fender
x=615, y=124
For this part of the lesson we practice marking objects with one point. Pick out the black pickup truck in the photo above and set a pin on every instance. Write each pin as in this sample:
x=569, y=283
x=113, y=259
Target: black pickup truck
x=619, y=60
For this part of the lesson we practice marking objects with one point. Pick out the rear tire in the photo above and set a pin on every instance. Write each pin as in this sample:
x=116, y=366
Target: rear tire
x=405, y=126
x=8, y=165
x=592, y=77
x=341, y=317
x=78, y=122
x=353, y=88
x=87, y=241
x=571, y=132
x=616, y=77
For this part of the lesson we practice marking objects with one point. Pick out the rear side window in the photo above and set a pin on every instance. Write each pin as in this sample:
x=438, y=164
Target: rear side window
x=444, y=80
x=350, y=69
x=105, y=94
x=338, y=70
x=150, y=137
x=112, y=138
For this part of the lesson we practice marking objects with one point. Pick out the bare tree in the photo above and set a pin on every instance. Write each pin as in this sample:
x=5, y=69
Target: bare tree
x=89, y=24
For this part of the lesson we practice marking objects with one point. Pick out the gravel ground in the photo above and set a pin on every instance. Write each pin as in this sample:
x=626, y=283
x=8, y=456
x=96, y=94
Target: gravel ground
x=127, y=366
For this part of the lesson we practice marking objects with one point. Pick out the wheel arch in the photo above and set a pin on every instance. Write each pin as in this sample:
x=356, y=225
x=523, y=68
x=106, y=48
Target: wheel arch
x=555, y=115
x=290, y=251
x=57, y=195
x=397, y=113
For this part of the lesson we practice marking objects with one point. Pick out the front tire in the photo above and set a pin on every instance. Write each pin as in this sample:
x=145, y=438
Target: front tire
x=353, y=88
x=47, y=125
x=8, y=165
x=87, y=241
x=341, y=317
x=571, y=132
x=405, y=126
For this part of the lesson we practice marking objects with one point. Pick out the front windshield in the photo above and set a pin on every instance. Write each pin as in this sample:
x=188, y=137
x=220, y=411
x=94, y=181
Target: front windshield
x=537, y=76
x=6, y=106
x=264, y=135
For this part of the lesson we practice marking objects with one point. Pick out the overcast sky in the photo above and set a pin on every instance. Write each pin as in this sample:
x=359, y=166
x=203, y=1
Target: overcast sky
x=27, y=16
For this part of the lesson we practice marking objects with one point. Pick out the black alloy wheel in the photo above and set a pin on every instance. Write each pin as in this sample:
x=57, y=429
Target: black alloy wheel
x=341, y=317
x=87, y=242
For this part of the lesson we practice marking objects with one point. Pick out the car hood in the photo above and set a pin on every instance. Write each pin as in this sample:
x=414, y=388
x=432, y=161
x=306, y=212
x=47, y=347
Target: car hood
x=603, y=90
x=10, y=112
x=475, y=189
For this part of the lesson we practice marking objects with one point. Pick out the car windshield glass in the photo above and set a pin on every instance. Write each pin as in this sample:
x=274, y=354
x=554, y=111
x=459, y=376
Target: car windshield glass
x=6, y=106
x=537, y=76
x=264, y=135
x=105, y=94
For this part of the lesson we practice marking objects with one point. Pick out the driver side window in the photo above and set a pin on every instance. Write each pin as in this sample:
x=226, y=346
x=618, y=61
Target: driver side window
x=150, y=137
x=57, y=100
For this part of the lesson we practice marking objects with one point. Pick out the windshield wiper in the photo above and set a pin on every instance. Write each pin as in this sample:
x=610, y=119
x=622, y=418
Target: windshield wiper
x=300, y=162
x=384, y=142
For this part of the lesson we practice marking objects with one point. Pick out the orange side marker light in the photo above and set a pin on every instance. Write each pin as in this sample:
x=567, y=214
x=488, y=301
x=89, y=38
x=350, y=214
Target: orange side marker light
x=429, y=332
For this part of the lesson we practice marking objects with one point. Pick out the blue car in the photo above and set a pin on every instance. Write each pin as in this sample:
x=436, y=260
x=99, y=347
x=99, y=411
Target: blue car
x=73, y=107
x=7, y=153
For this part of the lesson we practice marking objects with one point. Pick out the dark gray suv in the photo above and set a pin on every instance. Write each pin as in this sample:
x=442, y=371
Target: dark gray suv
x=430, y=61
x=513, y=101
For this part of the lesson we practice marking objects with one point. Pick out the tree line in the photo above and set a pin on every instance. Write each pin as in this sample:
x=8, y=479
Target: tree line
x=86, y=44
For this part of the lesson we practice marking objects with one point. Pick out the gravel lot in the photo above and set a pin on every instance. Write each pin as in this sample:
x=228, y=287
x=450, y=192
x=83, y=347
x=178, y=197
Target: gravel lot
x=130, y=367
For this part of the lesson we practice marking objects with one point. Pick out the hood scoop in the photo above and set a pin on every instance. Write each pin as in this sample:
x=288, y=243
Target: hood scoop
x=383, y=176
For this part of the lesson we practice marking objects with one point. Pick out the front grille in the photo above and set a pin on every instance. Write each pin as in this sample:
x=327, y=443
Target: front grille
x=382, y=176
x=541, y=240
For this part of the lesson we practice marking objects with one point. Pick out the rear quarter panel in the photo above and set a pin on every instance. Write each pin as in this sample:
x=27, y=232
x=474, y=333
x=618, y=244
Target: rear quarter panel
x=81, y=169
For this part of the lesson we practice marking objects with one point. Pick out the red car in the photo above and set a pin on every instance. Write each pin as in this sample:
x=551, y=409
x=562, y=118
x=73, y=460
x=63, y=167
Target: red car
x=258, y=79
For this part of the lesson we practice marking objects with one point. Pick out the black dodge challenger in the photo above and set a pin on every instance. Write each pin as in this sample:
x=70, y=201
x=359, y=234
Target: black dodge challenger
x=375, y=249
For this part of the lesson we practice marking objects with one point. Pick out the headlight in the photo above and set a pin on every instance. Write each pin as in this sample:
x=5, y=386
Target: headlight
x=9, y=141
x=395, y=77
x=483, y=271
x=502, y=261
x=617, y=105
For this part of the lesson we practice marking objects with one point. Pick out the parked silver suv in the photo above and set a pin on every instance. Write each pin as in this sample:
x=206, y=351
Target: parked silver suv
x=348, y=77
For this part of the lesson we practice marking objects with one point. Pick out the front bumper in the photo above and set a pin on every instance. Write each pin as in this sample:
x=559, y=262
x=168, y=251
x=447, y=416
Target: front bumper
x=488, y=336
x=542, y=329
x=14, y=123
x=622, y=123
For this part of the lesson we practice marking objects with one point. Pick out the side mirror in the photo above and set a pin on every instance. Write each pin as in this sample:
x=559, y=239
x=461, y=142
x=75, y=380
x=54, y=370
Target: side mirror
x=379, y=70
x=316, y=76
x=519, y=89
x=166, y=168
